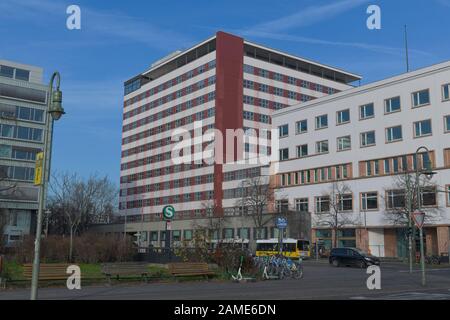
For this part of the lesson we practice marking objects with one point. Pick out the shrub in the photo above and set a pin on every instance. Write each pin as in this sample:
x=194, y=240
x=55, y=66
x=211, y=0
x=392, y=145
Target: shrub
x=87, y=248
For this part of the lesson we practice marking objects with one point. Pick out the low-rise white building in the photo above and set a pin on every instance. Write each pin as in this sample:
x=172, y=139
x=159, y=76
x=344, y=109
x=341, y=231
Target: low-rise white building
x=363, y=140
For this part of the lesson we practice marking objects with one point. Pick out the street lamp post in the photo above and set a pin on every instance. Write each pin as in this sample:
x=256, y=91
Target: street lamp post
x=54, y=112
x=427, y=171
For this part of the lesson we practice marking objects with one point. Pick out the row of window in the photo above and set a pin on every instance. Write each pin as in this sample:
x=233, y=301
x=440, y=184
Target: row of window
x=269, y=104
x=214, y=234
x=179, y=183
x=419, y=98
x=23, y=113
x=173, y=124
x=172, y=110
x=17, y=173
x=421, y=128
x=18, y=153
x=133, y=86
x=277, y=91
x=258, y=117
x=14, y=73
x=177, y=198
x=162, y=171
x=369, y=201
x=394, y=165
x=191, y=181
x=288, y=79
x=19, y=132
x=153, y=145
x=317, y=175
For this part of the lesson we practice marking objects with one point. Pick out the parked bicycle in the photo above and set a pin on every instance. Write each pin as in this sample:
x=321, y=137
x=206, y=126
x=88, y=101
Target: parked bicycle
x=279, y=267
x=433, y=259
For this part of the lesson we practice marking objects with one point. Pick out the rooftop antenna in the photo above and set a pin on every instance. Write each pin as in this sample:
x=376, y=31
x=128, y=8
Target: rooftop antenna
x=406, y=49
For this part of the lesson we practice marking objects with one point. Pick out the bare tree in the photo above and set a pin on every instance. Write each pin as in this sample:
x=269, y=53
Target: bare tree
x=214, y=221
x=76, y=203
x=257, y=195
x=401, y=199
x=336, y=209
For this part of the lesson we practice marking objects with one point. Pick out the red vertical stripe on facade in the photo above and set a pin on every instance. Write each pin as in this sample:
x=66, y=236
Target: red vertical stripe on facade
x=229, y=97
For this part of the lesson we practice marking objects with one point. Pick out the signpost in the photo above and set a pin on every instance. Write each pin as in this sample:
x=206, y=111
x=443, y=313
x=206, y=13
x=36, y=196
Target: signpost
x=281, y=225
x=168, y=213
x=419, y=217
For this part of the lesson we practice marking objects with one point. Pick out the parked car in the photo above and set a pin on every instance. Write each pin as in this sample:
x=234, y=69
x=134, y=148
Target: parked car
x=352, y=257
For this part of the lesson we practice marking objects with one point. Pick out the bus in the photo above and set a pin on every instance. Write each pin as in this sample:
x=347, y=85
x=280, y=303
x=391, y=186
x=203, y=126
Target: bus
x=292, y=248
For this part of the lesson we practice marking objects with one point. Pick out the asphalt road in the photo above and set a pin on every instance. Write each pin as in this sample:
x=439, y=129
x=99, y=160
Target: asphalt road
x=320, y=281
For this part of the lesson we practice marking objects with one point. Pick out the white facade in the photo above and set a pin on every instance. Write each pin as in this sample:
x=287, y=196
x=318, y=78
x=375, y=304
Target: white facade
x=435, y=79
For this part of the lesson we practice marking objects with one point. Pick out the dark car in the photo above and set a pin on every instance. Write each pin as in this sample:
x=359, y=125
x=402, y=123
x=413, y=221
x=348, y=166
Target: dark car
x=352, y=257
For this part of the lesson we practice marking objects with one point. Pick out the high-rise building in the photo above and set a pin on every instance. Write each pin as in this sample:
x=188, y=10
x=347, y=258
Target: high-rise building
x=351, y=161
x=22, y=121
x=225, y=82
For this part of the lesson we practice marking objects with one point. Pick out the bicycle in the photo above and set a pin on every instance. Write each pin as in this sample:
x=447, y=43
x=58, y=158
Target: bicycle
x=433, y=259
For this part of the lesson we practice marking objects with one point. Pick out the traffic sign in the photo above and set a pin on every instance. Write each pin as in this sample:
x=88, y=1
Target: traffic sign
x=168, y=225
x=418, y=217
x=38, y=168
x=281, y=223
x=168, y=212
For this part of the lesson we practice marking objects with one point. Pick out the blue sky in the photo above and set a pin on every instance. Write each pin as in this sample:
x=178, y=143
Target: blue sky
x=119, y=39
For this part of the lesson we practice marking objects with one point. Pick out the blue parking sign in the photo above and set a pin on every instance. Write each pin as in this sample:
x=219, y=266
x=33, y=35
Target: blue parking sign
x=281, y=223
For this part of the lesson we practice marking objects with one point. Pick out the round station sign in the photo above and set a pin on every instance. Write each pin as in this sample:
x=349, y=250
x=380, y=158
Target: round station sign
x=168, y=212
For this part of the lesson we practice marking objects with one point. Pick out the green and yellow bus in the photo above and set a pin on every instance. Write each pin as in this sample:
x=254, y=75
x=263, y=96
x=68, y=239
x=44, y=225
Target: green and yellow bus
x=292, y=248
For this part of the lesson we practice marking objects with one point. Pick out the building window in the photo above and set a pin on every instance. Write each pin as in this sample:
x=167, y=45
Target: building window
x=392, y=105
x=366, y=111
x=187, y=235
x=301, y=126
x=368, y=168
x=446, y=92
x=448, y=195
x=228, y=233
x=244, y=233
x=421, y=98
x=322, y=121
x=322, y=146
x=282, y=205
x=6, y=71
x=369, y=200
x=278, y=92
x=344, y=143
x=345, y=202
x=302, y=205
x=154, y=236
x=428, y=196
x=387, y=166
x=343, y=116
x=284, y=154
x=394, y=134
x=260, y=233
x=422, y=128
x=368, y=139
x=447, y=124
x=176, y=235
x=395, y=199
x=322, y=204
x=283, y=130
x=302, y=151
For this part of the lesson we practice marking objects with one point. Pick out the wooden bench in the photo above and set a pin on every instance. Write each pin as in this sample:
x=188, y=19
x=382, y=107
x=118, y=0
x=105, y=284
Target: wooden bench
x=125, y=269
x=181, y=269
x=47, y=271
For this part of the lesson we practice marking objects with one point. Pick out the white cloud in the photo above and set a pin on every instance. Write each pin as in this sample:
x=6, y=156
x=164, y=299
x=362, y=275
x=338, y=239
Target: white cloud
x=307, y=16
x=94, y=23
